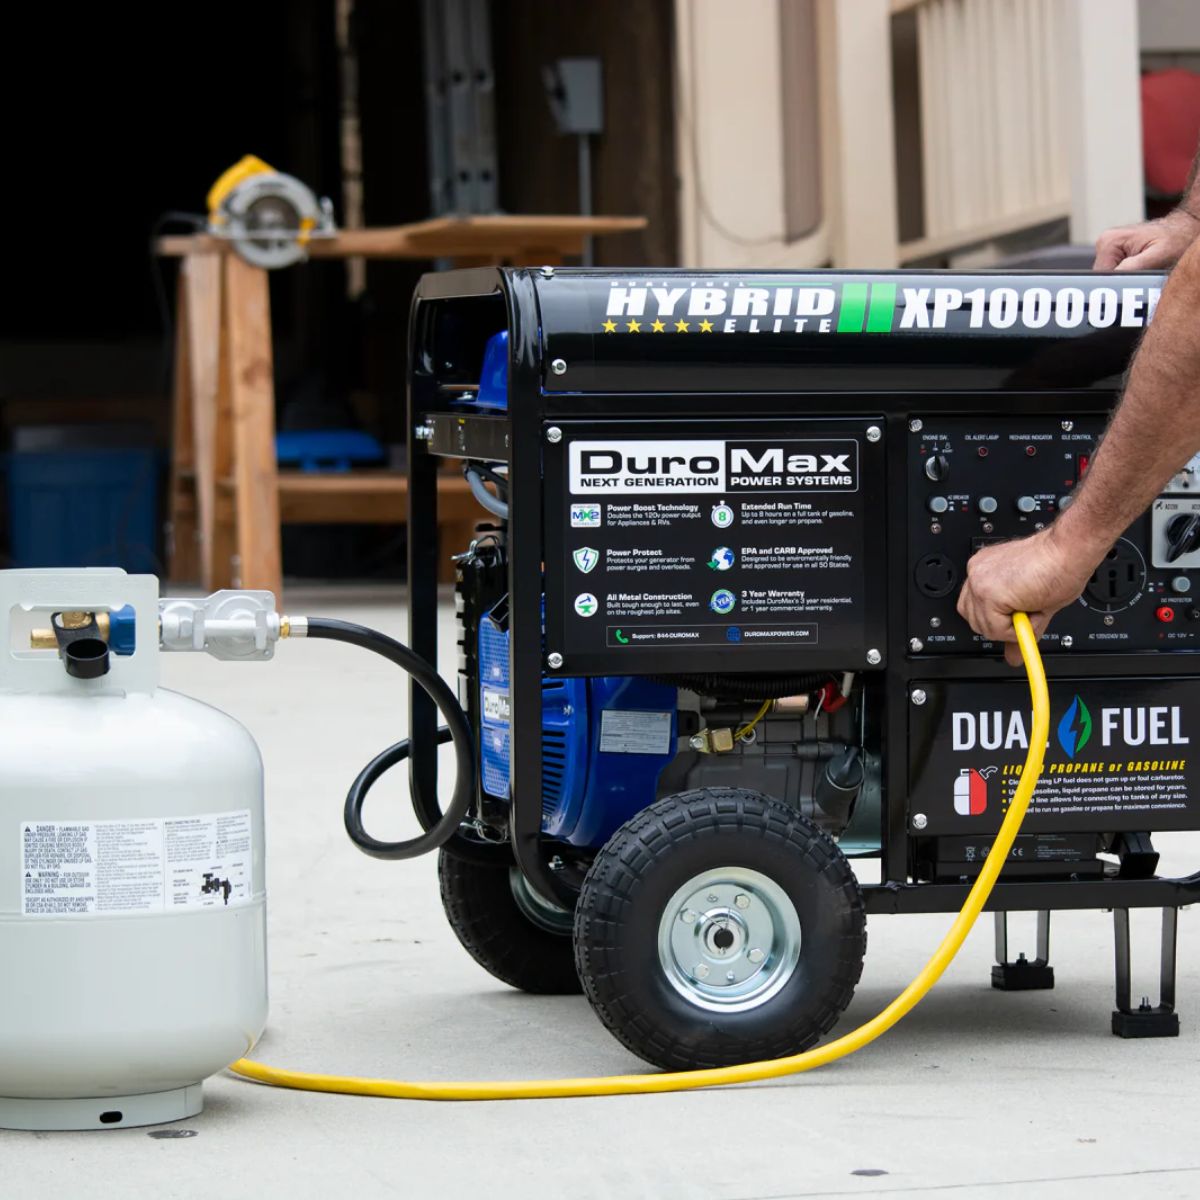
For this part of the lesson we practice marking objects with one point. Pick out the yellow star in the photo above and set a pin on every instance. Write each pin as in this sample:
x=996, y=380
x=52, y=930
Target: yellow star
x=706, y=327
x=658, y=326
x=681, y=326
x=610, y=327
x=634, y=326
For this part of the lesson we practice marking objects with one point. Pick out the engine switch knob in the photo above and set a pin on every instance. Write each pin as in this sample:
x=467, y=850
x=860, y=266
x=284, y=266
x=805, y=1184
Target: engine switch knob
x=1183, y=535
x=938, y=505
x=1026, y=504
x=937, y=467
x=987, y=505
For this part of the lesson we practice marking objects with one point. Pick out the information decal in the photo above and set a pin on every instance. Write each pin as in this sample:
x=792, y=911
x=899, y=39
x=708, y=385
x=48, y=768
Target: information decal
x=714, y=538
x=1123, y=754
x=139, y=865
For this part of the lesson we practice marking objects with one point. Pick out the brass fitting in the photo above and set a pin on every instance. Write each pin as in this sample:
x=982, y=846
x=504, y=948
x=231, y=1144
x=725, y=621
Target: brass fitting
x=44, y=639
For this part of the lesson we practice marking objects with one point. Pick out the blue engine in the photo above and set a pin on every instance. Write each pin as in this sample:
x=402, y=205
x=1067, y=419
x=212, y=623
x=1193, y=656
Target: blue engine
x=605, y=741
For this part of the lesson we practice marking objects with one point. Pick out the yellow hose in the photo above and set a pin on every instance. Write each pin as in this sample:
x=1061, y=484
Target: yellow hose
x=678, y=1081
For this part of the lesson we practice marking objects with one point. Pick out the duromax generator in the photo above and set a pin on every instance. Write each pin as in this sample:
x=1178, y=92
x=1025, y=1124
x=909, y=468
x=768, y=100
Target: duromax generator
x=709, y=645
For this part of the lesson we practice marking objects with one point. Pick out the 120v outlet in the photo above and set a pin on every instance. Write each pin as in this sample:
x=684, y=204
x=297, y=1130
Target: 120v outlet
x=935, y=576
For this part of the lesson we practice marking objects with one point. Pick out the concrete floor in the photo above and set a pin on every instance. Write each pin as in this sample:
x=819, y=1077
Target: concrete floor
x=978, y=1093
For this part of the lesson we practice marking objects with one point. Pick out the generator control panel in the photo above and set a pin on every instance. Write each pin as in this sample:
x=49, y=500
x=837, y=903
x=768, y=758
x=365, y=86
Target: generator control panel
x=973, y=481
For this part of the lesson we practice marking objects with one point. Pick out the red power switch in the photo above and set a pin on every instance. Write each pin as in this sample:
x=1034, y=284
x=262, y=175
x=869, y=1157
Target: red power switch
x=1165, y=614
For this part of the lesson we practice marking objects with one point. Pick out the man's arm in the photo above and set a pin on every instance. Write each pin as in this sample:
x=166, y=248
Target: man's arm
x=1154, y=245
x=1153, y=433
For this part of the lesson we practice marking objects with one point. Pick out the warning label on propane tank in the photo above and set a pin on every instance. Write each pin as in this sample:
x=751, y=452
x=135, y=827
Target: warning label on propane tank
x=140, y=865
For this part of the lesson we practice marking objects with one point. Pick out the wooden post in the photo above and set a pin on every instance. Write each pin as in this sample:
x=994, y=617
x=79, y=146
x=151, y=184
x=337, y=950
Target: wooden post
x=182, y=558
x=250, y=375
x=202, y=289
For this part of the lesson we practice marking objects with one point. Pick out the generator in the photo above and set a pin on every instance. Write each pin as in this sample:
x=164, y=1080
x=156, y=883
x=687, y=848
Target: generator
x=708, y=645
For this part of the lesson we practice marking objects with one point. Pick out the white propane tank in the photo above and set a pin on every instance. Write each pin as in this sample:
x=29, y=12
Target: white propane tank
x=132, y=876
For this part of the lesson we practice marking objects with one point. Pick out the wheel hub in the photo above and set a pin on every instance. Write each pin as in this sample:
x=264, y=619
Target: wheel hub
x=729, y=939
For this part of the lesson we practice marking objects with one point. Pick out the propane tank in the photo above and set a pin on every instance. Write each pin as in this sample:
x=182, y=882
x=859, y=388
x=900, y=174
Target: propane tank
x=132, y=878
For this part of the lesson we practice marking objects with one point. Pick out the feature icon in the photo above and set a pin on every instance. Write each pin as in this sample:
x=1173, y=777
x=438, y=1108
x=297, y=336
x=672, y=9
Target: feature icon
x=733, y=634
x=722, y=601
x=586, y=558
x=722, y=559
x=586, y=604
x=621, y=637
x=586, y=516
x=722, y=516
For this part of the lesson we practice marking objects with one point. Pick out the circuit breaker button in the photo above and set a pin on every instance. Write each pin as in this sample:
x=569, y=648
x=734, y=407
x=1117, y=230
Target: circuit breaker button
x=937, y=505
x=1181, y=585
x=1026, y=504
x=988, y=505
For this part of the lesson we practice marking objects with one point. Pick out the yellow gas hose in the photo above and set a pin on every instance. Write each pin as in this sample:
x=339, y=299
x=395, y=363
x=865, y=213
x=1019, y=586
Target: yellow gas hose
x=678, y=1081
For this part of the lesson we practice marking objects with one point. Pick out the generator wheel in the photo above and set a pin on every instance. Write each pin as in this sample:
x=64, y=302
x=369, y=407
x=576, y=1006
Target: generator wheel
x=717, y=927
x=506, y=927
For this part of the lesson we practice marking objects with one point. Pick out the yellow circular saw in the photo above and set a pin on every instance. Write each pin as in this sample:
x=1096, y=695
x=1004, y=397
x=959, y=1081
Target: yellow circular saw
x=269, y=217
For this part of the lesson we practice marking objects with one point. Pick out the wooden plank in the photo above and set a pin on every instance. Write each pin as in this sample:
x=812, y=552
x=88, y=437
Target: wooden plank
x=183, y=563
x=498, y=237
x=201, y=286
x=363, y=497
x=378, y=497
x=252, y=413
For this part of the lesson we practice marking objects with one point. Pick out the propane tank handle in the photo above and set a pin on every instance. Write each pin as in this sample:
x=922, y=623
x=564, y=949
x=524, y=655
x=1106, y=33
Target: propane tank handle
x=88, y=589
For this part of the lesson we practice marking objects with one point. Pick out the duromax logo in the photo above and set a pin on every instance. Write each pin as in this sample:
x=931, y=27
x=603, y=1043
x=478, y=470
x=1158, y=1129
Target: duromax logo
x=1075, y=728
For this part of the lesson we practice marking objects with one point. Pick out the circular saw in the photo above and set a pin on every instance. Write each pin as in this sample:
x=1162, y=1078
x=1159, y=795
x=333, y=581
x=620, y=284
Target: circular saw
x=269, y=217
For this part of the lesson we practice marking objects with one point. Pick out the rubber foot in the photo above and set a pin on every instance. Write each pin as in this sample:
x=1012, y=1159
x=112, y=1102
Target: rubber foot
x=1022, y=976
x=104, y=1112
x=1145, y=1023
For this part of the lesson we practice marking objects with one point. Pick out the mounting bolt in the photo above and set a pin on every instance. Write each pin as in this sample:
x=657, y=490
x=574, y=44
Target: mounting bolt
x=919, y=821
x=915, y=425
x=731, y=976
x=1067, y=426
x=874, y=433
x=874, y=657
x=554, y=660
x=558, y=366
x=1109, y=619
x=547, y=272
x=916, y=645
x=1067, y=642
x=742, y=900
x=554, y=435
x=701, y=971
x=756, y=955
x=423, y=433
x=918, y=696
x=935, y=622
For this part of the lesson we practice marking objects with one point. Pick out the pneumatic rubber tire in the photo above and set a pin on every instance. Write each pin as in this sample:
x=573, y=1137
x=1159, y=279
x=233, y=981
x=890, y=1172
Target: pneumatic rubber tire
x=637, y=878
x=483, y=912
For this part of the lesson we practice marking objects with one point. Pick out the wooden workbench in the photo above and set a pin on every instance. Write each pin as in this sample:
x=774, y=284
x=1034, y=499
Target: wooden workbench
x=227, y=497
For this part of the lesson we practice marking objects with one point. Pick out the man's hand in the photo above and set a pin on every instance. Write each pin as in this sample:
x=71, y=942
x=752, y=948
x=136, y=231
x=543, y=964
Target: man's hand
x=1037, y=575
x=1151, y=246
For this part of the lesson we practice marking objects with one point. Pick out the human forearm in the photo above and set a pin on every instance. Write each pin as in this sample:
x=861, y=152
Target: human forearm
x=1156, y=427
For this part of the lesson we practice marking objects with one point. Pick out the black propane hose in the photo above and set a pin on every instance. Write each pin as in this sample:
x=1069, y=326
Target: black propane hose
x=440, y=828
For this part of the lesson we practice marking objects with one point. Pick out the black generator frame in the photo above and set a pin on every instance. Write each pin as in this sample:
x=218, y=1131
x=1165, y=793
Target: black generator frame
x=876, y=389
